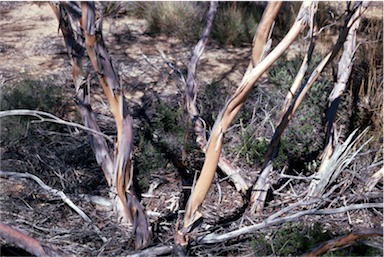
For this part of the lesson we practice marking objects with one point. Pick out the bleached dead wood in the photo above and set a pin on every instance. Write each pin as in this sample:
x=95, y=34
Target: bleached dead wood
x=153, y=251
x=374, y=179
x=190, y=86
x=217, y=238
x=343, y=74
x=117, y=167
x=262, y=185
x=51, y=190
x=341, y=157
x=228, y=113
x=56, y=192
x=49, y=117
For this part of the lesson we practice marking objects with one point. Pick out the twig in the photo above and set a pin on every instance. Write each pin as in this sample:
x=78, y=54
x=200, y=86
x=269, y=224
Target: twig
x=52, y=118
x=48, y=188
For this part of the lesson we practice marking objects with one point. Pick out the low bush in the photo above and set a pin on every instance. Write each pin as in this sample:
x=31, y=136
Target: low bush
x=28, y=94
x=183, y=20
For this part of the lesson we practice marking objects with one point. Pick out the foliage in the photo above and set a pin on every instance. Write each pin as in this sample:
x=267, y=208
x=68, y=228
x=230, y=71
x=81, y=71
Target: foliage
x=28, y=94
x=150, y=155
x=212, y=98
x=298, y=142
x=147, y=160
x=251, y=148
x=180, y=19
x=293, y=239
x=299, y=148
x=115, y=9
x=236, y=23
x=167, y=118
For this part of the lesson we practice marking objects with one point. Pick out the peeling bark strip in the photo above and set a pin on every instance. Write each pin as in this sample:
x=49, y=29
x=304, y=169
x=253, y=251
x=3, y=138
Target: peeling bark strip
x=262, y=185
x=343, y=74
x=191, y=91
x=230, y=110
x=261, y=41
x=117, y=169
x=68, y=14
x=128, y=207
x=194, y=115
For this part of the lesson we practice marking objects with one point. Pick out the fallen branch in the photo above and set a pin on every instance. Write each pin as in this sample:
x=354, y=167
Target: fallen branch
x=153, y=251
x=345, y=240
x=217, y=238
x=56, y=192
x=31, y=245
x=51, y=118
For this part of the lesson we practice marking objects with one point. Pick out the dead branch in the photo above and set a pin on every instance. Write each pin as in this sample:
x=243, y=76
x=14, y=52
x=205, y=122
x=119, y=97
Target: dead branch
x=228, y=113
x=217, y=238
x=301, y=73
x=56, y=192
x=341, y=157
x=118, y=171
x=190, y=86
x=31, y=245
x=153, y=251
x=127, y=205
x=344, y=72
x=51, y=118
x=374, y=179
x=191, y=94
x=260, y=188
x=196, y=120
x=346, y=240
x=51, y=190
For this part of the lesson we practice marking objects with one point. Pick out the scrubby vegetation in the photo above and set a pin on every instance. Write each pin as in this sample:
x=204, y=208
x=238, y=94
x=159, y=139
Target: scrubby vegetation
x=33, y=95
x=166, y=158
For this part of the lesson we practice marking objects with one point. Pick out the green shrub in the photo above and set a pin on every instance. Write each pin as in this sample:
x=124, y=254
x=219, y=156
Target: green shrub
x=153, y=153
x=235, y=22
x=251, y=148
x=28, y=94
x=147, y=159
x=304, y=137
x=167, y=119
x=183, y=20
